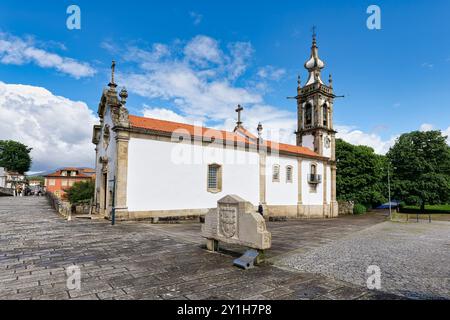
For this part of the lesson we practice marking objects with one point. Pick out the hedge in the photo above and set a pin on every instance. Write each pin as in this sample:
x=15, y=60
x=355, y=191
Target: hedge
x=359, y=209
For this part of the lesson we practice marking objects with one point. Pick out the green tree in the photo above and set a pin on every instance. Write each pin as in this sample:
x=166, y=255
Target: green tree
x=81, y=191
x=15, y=156
x=421, y=168
x=360, y=174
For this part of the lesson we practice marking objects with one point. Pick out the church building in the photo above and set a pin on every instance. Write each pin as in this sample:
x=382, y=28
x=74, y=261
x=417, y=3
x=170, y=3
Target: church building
x=150, y=168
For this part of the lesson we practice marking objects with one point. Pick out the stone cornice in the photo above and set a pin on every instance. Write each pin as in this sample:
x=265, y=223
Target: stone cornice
x=246, y=146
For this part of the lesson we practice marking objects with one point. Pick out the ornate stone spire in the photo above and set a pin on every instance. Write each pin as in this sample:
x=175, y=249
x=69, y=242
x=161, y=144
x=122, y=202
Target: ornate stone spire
x=314, y=65
x=123, y=96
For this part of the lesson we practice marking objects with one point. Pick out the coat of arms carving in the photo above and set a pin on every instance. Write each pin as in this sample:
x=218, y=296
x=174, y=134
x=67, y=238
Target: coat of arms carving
x=228, y=221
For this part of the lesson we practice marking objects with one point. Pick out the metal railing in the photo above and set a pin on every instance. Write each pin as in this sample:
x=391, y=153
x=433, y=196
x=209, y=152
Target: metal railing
x=314, y=178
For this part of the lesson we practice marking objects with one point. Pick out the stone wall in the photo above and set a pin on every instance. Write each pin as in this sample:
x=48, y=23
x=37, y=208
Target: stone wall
x=62, y=207
x=346, y=207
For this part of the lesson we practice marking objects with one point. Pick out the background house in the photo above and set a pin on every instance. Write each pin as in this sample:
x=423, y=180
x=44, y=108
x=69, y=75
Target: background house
x=2, y=178
x=62, y=179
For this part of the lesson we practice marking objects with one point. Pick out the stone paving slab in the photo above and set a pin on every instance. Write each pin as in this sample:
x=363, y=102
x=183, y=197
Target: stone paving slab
x=414, y=259
x=135, y=260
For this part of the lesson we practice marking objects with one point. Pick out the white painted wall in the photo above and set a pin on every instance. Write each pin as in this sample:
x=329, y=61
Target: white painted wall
x=281, y=193
x=173, y=176
x=308, y=141
x=326, y=151
x=2, y=177
x=308, y=197
x=328, y=184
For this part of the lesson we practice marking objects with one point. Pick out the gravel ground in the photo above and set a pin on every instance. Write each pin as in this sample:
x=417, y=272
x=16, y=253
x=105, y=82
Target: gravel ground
x=414, y=258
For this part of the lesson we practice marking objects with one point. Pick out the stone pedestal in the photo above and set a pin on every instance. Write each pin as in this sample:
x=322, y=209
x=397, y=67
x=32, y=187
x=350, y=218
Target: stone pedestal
x=235, y=221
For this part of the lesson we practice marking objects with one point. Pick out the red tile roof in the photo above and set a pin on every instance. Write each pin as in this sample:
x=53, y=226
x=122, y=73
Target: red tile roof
x=82, y=173
x=183, y=128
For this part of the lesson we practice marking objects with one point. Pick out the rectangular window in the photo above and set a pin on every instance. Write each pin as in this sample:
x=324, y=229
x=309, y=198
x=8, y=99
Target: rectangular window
x=64, y=183
x=289, y=174
x=64, y=173
x=51, y=182
x=276, y=173
x=214, y=178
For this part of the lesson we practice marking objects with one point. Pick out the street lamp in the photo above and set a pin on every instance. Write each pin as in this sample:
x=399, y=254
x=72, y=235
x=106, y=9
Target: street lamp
x=389, y=187
x=389, y=190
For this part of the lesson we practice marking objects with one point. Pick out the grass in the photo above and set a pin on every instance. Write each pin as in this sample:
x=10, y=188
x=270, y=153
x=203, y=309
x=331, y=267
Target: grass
x=441, y=208
x=412, y=217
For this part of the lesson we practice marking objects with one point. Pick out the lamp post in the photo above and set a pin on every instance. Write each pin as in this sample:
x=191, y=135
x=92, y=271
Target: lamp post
x=389, y=190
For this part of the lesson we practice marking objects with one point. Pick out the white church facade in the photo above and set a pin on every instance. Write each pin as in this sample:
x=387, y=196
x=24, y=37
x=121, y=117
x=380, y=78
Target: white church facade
x=150, y=168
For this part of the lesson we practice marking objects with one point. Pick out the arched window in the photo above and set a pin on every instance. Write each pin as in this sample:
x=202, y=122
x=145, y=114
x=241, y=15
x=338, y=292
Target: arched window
x=325, y=115
x=289, y=171
x=314, y=178
x=313, y=169
x=308, y=115
x=276, y=173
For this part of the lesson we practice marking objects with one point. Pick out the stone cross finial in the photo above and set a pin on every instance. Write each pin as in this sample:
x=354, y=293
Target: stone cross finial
x=299, y=82
x=112, y=84
x=259, y=129
x=239, y=110
x=330, y=81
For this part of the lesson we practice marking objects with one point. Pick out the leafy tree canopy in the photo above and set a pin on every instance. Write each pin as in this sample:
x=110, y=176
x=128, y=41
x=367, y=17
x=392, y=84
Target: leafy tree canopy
x=81, y=191
x=421, y=167
x=361, y=174
x=15, y=156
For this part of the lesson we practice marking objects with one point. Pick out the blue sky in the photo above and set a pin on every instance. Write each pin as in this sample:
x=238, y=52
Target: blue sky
x=395, y=79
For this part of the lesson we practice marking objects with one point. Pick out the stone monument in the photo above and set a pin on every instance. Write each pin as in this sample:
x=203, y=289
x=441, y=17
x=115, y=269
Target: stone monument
x=235, y=221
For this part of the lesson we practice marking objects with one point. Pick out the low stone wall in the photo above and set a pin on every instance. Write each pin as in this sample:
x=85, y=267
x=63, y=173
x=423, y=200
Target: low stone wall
x=84, y=208
x=62, y=207
x=346, y=207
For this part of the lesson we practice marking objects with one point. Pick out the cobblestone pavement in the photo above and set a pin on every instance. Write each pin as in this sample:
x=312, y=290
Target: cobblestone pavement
x=414, y=258
x=135, y=260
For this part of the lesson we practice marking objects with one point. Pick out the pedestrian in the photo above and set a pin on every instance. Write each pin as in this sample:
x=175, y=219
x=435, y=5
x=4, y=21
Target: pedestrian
x=261, y=209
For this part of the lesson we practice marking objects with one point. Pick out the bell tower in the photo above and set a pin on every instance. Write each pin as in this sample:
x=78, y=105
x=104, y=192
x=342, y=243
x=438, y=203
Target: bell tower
x=315, y=108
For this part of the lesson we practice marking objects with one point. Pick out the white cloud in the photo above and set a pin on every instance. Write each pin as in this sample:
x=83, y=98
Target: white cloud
x=429, y=127
x=196, y=17
x=17, y=51
x=203, y=50
x=446, y=132
x=240, y=54
x=58, y=129
x=358, y=137
x=197, y=79
x=271, y=73
x=427, y=65
x=426, y=127
x=163, y=114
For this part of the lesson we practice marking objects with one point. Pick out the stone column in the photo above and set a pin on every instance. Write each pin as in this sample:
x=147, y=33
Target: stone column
x=262, y=177
x=334, y=204
x=300, y=211
x=97, y=178
x=122, y=139
x=333, y=147
x=324, y=182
